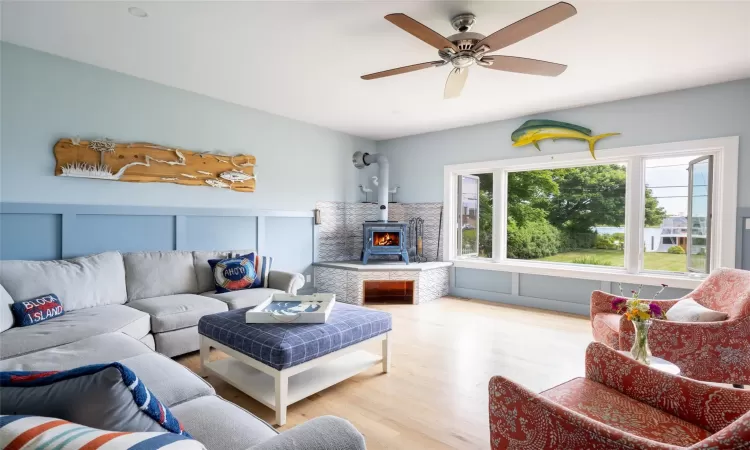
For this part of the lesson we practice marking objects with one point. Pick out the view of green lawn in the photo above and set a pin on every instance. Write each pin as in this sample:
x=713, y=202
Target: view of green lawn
x=615, y=258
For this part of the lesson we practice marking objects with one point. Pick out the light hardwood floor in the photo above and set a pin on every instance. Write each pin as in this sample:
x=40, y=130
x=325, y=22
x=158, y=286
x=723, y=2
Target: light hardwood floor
x=444, y=353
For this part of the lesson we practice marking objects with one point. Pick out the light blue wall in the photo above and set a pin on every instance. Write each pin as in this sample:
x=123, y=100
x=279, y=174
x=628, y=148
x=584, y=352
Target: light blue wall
x=44, y=98
x=41, y=231
x=706, y=112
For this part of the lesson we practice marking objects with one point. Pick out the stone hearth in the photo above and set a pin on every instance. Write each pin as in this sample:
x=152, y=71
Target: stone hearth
x=346, y=279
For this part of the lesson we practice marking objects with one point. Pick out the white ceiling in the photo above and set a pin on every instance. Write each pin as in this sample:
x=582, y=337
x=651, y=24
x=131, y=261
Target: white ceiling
x=303, y=59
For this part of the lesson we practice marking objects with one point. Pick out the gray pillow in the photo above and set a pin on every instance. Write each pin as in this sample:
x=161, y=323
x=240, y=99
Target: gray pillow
x=97, y=396
x=6, y=317
x=688, y=310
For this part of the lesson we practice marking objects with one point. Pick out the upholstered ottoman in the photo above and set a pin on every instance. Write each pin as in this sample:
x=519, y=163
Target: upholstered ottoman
x=280, y=364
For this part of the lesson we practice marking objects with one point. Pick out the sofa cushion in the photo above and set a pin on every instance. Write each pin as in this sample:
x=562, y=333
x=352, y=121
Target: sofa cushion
x=106, y=396
x=244, y=298
x=172, y=382
x=173, y=312
x=74, y=326
x=36, y=310
x=83, y=282
x=6, y=316
x=177, y=342
x=155, y=274
x=203, y=273
x=219, y=424
x=97, y=349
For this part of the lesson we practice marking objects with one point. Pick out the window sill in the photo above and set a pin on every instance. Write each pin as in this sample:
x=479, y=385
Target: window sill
x=583, y=272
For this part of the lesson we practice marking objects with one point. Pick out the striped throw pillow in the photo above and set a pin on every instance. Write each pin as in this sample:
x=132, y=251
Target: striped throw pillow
x=35, y=432
x=262, y=268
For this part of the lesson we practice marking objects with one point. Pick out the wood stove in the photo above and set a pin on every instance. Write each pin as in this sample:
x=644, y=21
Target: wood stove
x=384, y=238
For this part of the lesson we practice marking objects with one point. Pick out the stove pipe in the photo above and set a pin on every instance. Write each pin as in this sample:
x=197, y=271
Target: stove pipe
x=362, y=160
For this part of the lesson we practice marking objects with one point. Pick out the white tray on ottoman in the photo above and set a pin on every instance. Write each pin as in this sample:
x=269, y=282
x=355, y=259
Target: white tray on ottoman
x=325, y=302
x=279, y=364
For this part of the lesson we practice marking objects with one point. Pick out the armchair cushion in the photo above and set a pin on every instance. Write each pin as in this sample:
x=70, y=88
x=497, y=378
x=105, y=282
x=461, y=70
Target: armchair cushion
x=688, y=310
x=610, y=407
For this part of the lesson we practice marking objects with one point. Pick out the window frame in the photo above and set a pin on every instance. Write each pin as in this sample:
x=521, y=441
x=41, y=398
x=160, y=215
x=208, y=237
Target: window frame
x=724, y=210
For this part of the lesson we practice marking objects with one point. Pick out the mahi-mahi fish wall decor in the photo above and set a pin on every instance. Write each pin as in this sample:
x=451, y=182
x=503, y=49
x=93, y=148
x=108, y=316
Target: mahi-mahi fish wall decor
x=533, y=131
x=143, y=163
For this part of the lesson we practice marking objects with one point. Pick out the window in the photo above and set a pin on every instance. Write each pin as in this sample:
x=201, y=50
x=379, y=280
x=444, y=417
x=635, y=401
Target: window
x=571, y=215
x=475, y=216
x=678, y=192
x=641, y=214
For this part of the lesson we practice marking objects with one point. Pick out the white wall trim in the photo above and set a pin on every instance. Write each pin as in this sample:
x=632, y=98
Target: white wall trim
x=726, y=162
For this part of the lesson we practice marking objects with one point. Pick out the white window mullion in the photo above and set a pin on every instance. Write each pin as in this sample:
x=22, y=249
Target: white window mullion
x=635, y=192
x=499, y=215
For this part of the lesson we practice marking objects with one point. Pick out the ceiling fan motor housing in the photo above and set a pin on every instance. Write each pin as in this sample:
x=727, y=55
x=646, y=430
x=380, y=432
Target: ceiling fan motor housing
x=465, y=56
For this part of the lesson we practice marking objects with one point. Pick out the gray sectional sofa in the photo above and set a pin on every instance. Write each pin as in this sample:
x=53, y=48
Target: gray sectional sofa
x=122, y=307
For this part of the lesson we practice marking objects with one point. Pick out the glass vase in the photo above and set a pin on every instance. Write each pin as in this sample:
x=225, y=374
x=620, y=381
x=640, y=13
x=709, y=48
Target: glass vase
x=640, y=350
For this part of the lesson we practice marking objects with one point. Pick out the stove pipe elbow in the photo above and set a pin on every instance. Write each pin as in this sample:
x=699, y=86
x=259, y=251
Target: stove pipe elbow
x=362, y=160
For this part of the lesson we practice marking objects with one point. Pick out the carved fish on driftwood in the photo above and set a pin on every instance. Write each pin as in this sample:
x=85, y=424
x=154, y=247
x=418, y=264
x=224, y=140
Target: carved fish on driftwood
x=533, y=131
x=235, y=175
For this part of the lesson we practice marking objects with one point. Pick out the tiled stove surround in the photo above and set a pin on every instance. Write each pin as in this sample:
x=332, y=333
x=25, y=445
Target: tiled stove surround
x=346, y=279
x=338, y=270
x=340, y=231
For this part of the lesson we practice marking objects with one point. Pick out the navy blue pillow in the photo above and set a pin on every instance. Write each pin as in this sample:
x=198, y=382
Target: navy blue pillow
x=30, y=312
x=232, y=274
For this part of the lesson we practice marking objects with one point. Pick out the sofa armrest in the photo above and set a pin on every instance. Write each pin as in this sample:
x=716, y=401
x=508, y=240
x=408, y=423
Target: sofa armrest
x=709, y=407
x=520, y=418
x=321, y=433
x=285, y=281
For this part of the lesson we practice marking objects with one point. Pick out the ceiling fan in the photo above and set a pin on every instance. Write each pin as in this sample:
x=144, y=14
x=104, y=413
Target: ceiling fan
x=466, y=48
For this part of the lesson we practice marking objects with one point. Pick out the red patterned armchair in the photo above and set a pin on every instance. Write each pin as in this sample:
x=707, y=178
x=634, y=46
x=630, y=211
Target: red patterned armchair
x=621, y=404
x=708, y=351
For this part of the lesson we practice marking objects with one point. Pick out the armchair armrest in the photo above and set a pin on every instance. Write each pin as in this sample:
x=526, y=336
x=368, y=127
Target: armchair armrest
x=521, y=419
x=708, y=351
x=321, y=433
x=709, y=407
x=285, y=281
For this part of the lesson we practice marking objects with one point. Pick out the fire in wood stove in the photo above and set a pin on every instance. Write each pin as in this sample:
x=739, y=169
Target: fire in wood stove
x=385, y=239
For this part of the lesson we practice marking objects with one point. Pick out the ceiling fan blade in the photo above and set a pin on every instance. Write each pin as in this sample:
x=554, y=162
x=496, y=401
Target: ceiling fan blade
x=405, y=69
x=420, y=31
x=527, y=26
x=524, y=65
x=455, y=83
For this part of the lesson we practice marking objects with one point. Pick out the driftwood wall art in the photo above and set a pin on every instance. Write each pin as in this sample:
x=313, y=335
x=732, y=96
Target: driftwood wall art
x=144, y=163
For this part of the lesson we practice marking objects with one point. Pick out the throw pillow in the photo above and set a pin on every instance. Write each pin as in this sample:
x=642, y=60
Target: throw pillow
x=262, y=266
x=6, y=315
x=106, y=396
x=688, y=310
x=29, y=432
x=30, y=312
x=232, y=274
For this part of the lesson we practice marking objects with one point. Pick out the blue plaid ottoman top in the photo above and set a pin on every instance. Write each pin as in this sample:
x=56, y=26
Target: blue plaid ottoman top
x=285, y=345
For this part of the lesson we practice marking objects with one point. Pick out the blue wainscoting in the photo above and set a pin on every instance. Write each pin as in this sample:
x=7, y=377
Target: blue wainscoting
x=568, y=295
x=56, y=231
